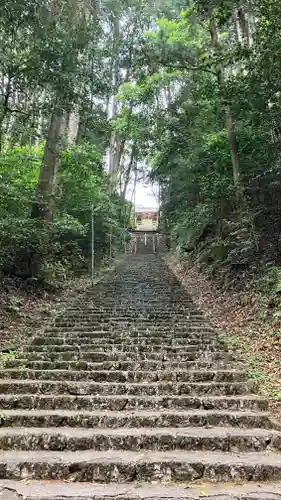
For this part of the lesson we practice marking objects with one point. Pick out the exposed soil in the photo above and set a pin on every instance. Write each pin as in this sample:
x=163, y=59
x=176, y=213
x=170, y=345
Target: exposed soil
x=22, y=312
x=241, y=322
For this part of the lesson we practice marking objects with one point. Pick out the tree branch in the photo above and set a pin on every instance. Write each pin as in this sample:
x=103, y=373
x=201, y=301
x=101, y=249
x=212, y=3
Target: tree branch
x=182, y=65
x=17, y=111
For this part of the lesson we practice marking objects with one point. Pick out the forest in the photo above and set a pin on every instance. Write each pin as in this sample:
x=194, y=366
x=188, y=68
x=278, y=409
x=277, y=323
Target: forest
x=96, y=94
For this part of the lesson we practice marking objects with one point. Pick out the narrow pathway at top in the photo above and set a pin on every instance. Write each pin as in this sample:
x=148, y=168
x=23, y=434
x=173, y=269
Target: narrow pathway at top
x=130, y=393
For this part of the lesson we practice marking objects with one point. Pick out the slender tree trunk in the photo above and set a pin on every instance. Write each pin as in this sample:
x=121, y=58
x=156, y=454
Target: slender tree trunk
x=40, y=121
x=44, y=205
x=236, y=171
x=117, y=142
x=133, y=197
x=251, y=22
x=4, y=111
x=113, y=109
x=234, y=152
x=128, y=172
x=73, y=121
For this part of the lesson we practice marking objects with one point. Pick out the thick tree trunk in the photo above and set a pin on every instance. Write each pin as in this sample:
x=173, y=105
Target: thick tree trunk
x=46, y=187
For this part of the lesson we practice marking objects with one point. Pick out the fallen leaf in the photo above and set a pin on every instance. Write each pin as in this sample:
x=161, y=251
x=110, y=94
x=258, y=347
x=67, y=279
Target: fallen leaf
x=25, y=481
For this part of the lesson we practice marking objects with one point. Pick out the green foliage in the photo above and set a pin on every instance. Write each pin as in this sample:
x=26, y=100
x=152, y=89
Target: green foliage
x=32, y=249
x=199, y=65
x=7, y=356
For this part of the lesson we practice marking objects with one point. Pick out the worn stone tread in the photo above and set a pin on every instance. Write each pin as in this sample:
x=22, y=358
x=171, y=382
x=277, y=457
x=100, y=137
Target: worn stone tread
x=69, y=438
x=126, y=376
x=122, y=346
x=123, y=431
x=128, y=402
x=127, y=466
x=138, y=418
x=266, y=458
x=131, y=388
x=146, y=364
x=55, y=490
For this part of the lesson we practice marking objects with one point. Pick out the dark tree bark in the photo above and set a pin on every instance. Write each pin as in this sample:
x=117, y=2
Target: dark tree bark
x=44, y=204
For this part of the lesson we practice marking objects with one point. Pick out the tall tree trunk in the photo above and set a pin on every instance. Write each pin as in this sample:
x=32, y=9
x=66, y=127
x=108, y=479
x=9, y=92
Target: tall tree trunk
x=133, y=196
x=4, y=110
x=117, y=142
x=128, y=172
x=41, y=97
x=234, y=153
x=236, y=171
x=73, y=121
x=43, y=207
x=251, y=22
x=113, y=107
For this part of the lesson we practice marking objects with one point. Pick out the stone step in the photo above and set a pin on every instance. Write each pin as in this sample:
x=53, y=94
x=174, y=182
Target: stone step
x=82, y=338
x=132, y=389
x=226, y=439
x=127, y=376
x=56, y=341
x=137, y=328
x=62, y=490
x=138, y=418
x=128, y=402
x=149, y=312
x=146, y=365
x=112, y=323
x=111, y=466
x=121, y=315
x=94, y=356
x=124, y=347
x=113, y=316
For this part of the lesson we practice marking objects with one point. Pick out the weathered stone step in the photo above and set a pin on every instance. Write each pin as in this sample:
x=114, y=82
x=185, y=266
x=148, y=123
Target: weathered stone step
x=124, y=347
x=96, y=356
x=128, y=402
x=99, y=341
x=177, y=325
x=140, y=316
x=226, y=439
x=148, y=311
x=122, y=316
x=62, y=490
x=113, y=466
x=131, y=329
x=145, y=365
x=134, y=389
x=127, y=376
x=138, y=418
x=111, y=318
x=86, y=337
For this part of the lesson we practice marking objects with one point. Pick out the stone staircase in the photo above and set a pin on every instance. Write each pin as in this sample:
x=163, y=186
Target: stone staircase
x=130, y=395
